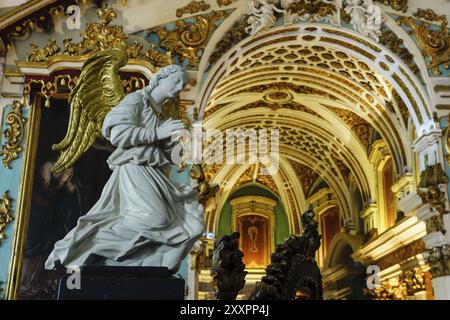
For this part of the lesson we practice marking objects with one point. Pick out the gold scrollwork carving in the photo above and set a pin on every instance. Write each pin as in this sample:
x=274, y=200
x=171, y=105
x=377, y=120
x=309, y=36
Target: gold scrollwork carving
x=192, y=7
x=5, y=213
x=435, y=44
x=188, y=39
x=399, y=5
x=41, y=54
x=96, y=37
x=13, y=135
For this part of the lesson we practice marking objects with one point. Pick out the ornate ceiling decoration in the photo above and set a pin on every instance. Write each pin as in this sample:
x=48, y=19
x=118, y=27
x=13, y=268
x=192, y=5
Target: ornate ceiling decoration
x=311, y=67
x=268, y=181
x=250, y=176
x=332, y=160
x=236, y=34
x=306, y=175
x=317, y=56
x=246, y=177
x=311, y=10
x=273, y=106
x=358, y=125
x=395, y=44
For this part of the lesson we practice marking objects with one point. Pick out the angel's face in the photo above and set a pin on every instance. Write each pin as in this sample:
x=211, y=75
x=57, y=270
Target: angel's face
x=174, y=83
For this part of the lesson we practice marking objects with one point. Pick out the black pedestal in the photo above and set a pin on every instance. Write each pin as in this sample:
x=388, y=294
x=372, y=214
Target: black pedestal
x=121, y=283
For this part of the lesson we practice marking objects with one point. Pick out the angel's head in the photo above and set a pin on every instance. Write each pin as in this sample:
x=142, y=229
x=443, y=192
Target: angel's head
x=169, y=81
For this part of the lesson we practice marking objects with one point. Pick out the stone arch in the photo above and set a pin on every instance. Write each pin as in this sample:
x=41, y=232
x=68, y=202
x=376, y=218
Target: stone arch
x=339, y=245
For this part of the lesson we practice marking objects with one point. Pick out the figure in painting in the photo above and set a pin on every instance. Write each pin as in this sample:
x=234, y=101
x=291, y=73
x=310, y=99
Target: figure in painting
x=56, y=206
x=141, y=218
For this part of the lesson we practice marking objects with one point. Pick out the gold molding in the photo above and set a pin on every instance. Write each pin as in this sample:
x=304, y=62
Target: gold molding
x=5, y=213
x=24, y=200
x=12, y=73
x=441, y=88
x=13, y=135
x=21, y=10
x=63, y=84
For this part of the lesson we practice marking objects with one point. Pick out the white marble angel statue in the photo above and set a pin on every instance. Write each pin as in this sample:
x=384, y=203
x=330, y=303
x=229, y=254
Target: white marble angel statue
x=263, y=16
x=141, y=218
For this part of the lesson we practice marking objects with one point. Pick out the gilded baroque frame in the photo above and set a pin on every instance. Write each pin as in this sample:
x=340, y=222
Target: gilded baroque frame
x=24, y=197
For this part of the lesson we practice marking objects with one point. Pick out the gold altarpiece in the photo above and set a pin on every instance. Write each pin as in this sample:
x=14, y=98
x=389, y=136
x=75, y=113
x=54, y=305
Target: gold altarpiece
x=254, y=218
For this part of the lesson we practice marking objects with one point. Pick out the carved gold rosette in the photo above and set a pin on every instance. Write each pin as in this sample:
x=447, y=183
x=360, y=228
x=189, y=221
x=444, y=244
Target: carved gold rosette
x=13, y=135
x=5, y=213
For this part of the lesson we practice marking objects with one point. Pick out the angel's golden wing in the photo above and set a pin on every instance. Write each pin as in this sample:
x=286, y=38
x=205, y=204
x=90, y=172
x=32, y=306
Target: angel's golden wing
x=98, y=90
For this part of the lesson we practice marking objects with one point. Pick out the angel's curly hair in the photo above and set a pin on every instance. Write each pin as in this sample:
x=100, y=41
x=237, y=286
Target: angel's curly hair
x=161, y=74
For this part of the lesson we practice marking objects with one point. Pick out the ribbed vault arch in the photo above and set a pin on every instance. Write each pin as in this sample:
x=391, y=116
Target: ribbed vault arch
x=327, y=91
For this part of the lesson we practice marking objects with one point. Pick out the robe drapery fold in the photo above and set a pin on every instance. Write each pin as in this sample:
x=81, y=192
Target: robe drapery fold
x=141, y=218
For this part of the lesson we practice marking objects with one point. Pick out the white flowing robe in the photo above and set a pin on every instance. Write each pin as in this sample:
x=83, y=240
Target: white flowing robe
x=141, y=218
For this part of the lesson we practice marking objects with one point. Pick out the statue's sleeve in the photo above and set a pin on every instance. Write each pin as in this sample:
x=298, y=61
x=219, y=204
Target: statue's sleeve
x=121, y=126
